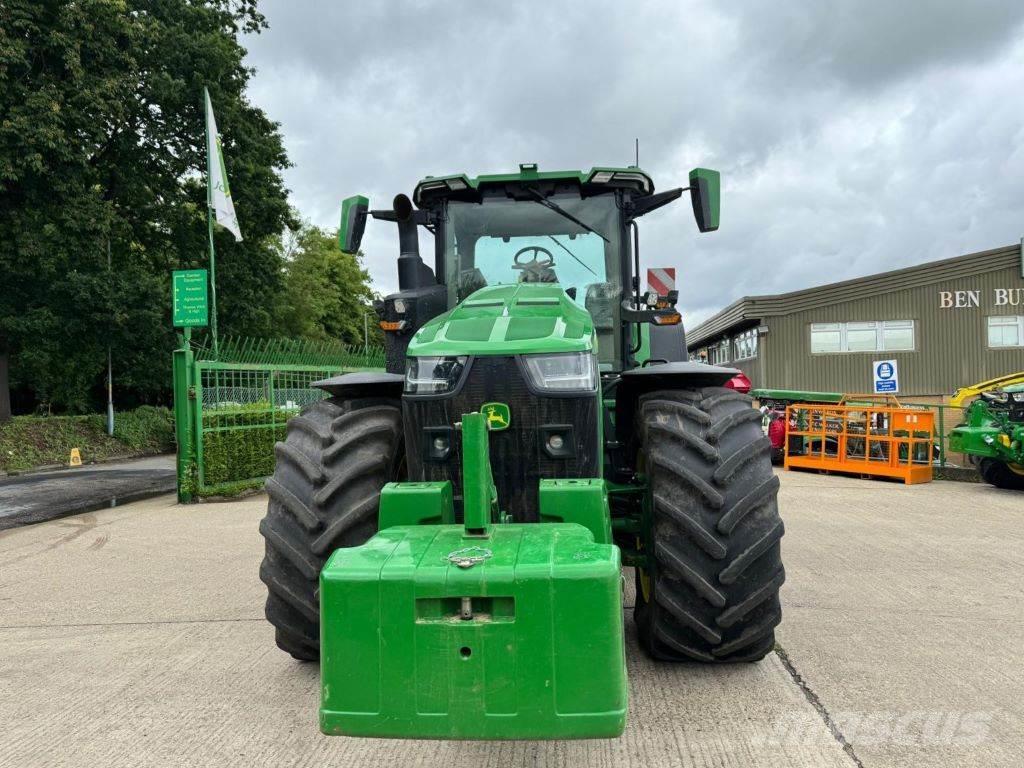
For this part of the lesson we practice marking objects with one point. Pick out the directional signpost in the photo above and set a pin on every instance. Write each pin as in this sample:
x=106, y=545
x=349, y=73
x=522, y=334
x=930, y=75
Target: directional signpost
x=190, y=298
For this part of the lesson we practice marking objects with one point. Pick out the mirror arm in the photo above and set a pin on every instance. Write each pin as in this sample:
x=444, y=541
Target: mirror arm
x=419, y=216
x=631, y=314
x=645, y=205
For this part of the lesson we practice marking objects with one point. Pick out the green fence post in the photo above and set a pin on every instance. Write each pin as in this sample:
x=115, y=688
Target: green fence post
x=183, y=362
x=942, y=437
x=197, y=400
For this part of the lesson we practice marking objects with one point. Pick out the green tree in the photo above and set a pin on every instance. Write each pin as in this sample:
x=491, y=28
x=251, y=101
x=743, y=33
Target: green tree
x=102, y=141
x=326, y=292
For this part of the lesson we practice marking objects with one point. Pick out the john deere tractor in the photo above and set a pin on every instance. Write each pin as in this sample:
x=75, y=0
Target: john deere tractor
x=992, y=432
x=447, y=537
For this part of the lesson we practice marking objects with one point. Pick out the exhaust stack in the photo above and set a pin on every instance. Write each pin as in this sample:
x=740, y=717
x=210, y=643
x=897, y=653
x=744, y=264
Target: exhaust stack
x=412, y=272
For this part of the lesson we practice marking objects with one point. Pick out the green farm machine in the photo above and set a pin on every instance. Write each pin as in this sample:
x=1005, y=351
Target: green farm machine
x=447, y=537
x=992, y=432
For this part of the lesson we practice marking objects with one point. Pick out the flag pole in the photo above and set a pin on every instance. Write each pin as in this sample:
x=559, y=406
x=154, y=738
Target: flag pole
x=110, y=366
x=209, y=224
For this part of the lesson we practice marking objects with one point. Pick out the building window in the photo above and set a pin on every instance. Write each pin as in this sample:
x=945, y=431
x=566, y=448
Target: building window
x=826, y=337
x=745, y=344
x=862, y=337
x=898, y=335
x=871, y=336
x=1006, y=331
x=719, y=353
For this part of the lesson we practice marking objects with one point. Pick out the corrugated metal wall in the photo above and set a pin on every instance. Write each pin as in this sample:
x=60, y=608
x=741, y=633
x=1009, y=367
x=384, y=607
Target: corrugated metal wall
x=950, y=344
x=753, y=368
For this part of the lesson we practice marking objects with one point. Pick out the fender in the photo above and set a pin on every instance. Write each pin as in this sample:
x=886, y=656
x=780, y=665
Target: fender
x=639, y=381
x=363, y=384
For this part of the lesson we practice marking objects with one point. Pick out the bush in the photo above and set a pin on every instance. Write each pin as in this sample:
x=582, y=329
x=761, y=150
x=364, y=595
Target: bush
x=238, y=441
x=146, y=429
x=33, y=441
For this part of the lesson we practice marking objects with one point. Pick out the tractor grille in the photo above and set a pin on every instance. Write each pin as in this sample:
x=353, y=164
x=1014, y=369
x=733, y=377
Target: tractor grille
x=518, y=459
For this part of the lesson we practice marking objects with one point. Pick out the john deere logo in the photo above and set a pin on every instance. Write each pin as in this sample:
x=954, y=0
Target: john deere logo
x=498, y=416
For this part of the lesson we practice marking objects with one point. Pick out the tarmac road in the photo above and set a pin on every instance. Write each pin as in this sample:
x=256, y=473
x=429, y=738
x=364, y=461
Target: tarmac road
x=134, y=636
x=42, y=496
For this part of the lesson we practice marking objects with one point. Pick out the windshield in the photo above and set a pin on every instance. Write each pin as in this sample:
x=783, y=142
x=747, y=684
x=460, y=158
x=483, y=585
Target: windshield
x=503, y=241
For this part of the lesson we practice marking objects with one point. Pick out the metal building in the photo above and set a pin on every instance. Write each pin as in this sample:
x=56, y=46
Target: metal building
x=947, y=324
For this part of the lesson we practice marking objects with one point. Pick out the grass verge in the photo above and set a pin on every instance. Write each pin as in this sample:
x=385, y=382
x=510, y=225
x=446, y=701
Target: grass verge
x=27, y=442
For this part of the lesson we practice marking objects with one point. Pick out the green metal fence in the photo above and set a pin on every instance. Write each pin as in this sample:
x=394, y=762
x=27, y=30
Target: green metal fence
x=946, y=418
x=232, y=406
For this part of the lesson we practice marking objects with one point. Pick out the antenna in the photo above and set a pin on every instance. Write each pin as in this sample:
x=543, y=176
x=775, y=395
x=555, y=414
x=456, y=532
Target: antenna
x=637, y=144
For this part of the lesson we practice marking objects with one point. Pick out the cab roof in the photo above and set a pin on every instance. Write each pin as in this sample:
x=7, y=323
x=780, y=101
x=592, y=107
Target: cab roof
x=461, y=186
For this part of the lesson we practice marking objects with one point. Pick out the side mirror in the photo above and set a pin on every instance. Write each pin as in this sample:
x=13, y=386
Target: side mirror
x=353, y=222
x=705, y=194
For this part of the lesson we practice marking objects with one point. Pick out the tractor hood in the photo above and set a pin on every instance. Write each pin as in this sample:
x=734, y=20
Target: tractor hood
x=508, y=320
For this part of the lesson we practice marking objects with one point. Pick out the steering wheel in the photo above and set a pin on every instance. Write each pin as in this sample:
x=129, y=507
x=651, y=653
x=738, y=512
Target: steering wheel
x=535, y=264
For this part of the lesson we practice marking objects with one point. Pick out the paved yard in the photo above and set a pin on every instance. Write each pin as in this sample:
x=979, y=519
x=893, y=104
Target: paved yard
x=39, y=496
x=134, y=636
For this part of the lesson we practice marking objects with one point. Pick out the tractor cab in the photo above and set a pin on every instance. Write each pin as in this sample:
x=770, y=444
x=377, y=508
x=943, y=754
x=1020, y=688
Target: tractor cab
x=574, y=229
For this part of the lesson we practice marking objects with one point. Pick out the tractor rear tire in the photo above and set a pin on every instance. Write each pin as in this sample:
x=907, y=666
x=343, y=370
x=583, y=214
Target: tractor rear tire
x=324, y=494
x=1001, y=475
x=711, y=591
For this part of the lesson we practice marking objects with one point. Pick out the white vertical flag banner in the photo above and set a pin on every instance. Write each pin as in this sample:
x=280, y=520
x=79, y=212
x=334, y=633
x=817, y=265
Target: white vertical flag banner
x=217, y=177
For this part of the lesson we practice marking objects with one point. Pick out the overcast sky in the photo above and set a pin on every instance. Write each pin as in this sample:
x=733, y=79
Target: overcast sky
x=852, y=137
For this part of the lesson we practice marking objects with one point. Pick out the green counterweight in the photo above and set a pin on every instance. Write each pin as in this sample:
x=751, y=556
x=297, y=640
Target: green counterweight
x=480, y=631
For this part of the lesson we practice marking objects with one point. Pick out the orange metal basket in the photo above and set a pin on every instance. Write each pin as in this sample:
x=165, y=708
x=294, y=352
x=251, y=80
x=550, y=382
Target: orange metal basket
x=862, y=435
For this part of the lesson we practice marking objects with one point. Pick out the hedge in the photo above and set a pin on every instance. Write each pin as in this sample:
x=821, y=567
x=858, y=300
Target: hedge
x=238, y=442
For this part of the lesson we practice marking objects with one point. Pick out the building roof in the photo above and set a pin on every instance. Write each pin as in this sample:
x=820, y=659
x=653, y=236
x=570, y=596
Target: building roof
x=749, y=309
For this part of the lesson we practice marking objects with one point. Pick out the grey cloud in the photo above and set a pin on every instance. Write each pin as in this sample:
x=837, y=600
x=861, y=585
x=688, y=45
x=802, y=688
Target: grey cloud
x=852, y=137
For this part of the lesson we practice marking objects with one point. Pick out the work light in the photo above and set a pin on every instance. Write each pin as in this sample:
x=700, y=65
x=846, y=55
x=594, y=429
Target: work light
x=563, y=372
x=433, y=375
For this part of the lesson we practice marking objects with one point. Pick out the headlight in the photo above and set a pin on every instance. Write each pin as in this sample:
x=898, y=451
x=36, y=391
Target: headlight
x=433, y=375
x=572, y=372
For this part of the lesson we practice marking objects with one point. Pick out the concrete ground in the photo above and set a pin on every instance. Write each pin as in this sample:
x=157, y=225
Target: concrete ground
x=134, y=636
x=39, y=496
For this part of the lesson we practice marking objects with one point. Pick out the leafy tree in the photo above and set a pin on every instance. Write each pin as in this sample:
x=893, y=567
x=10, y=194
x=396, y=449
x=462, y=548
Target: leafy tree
x=326, y=292
x=102, y=142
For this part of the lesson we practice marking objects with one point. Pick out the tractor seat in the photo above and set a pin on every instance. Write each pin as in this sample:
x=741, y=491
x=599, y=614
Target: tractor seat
x=471, y=281
x=544, y=275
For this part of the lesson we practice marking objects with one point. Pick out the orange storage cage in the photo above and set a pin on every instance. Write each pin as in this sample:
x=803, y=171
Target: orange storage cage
x=861, y=435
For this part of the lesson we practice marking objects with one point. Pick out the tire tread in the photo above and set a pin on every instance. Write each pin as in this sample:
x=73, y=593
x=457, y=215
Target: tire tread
x=716, y=566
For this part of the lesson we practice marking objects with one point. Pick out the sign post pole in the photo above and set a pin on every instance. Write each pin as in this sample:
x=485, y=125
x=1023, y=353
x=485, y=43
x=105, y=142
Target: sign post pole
x=189, y=308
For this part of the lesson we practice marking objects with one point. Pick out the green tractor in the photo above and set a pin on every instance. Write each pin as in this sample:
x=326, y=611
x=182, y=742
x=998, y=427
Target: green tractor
x=992, y=432
x=447, y=537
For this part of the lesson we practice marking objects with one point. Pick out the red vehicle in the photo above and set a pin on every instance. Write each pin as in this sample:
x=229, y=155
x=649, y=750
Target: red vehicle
x=777, y=435
x=740, y=383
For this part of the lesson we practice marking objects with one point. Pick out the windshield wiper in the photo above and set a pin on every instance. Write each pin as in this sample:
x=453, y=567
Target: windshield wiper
x=566, y=249
x=562, y=212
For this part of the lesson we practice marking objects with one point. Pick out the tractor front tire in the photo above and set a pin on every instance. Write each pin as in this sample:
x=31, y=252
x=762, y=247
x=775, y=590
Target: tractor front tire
x=711, y=590
x=1001, y=475
x=324, y=494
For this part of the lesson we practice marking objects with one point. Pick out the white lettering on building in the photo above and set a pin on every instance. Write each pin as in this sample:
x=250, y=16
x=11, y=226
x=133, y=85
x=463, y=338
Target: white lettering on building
x=1001, y=297
x=967, y=299
x=1012, y=297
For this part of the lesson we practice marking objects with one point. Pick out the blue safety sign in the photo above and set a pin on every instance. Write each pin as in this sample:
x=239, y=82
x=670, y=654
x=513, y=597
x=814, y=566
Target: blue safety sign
x=886, y=375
